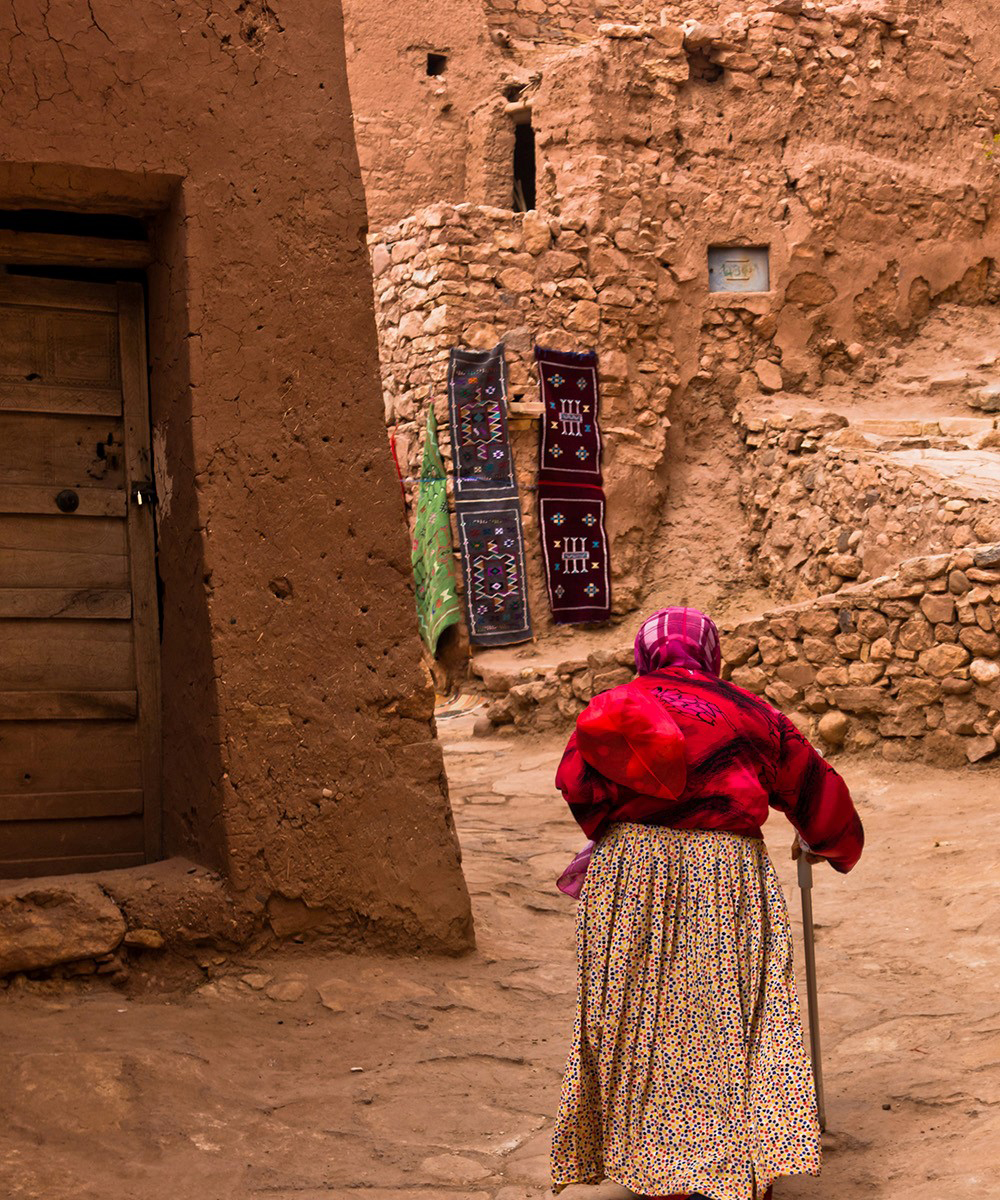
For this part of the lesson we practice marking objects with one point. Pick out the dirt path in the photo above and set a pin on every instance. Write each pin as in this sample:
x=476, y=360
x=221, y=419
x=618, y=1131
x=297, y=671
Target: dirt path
x=407, y=1079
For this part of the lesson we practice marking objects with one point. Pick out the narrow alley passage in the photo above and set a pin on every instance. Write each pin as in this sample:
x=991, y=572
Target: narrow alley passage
x=310, y=1075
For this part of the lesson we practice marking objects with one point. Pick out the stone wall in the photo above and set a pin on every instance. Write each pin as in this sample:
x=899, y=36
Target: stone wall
x=299, y=756
x=909, y=662
x=828, y=503
x=830, y=135
x=466, y=275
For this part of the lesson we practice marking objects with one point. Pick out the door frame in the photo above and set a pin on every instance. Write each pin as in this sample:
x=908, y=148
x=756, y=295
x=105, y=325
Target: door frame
x=142, y=556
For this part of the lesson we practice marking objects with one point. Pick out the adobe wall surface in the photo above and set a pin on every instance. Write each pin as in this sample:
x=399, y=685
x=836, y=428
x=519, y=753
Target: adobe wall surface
x=413, y=130
x=850, y=139
x=299, y=753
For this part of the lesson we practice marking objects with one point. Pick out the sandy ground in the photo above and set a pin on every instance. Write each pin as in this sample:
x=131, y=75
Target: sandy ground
x=408, y=1079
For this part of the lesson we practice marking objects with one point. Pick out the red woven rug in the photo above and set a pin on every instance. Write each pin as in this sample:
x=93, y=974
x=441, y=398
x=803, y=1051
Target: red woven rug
x=570, y=488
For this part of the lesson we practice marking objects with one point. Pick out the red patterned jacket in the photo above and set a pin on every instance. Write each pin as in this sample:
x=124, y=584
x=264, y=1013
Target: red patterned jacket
x=683, y=748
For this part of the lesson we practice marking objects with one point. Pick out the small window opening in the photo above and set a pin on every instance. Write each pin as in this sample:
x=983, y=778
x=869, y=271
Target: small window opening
x=513, y=91
x=436, y=64
x=701, y=67
x=524, y=167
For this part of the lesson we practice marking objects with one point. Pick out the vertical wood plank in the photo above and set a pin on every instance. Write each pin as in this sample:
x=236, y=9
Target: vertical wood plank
x=142, y=560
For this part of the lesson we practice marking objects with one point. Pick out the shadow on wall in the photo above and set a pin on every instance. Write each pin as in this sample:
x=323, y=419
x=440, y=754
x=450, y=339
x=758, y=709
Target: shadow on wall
x=193, y=776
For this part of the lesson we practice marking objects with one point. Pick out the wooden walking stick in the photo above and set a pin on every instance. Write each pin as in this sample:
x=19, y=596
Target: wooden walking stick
x=809, y=942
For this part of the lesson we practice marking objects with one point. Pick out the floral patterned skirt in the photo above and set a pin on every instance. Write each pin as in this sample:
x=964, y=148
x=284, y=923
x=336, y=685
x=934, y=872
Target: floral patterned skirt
x=688, y=1071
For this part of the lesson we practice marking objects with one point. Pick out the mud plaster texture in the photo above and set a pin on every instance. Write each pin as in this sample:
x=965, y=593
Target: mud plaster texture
x=300, y=1076
x=298, y=748
x=851, y=139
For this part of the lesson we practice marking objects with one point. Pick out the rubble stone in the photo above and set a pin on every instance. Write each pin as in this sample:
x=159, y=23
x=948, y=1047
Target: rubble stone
x=769, y=374
x=984, y=671
x=979, y=748
x=43, y=923
x=833, y=727
x=942, y=660
x=938, y=608
x=144, y=939
x=286, y=991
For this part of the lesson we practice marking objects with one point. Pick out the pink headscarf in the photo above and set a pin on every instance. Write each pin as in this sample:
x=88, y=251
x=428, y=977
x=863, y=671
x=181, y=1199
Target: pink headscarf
x=678, y=637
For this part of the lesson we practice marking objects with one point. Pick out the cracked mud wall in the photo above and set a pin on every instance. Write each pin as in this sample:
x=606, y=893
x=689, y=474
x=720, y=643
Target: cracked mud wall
x=298, y=746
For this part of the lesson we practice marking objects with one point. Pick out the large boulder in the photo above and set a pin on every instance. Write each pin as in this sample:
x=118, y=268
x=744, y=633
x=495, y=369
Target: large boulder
x=50, y=922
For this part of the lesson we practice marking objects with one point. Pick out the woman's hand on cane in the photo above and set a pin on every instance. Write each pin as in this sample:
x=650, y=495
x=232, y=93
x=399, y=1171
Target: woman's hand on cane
x=799, y=848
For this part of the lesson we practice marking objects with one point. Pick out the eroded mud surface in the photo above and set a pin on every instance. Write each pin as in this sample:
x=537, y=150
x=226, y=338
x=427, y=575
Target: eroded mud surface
x=304, y=1075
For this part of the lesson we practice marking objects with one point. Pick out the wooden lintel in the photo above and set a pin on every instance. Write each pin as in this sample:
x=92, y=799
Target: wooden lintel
x=60, y=249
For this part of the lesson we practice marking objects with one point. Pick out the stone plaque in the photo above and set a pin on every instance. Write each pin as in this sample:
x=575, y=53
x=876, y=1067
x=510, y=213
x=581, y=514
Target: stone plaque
x=738, y=269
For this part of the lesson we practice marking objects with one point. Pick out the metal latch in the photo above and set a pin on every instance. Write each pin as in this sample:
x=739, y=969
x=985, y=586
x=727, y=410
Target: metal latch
x=144, y=493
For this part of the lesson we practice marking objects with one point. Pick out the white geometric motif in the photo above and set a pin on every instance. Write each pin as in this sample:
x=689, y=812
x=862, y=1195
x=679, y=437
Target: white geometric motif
x=575, y=556
x=571, y=417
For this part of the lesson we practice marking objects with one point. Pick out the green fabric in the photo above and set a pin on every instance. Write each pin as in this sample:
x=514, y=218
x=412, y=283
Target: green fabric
x=433, y=560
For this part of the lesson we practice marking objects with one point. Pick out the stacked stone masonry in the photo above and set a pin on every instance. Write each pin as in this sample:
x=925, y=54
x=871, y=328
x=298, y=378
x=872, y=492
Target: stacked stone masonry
x=437, y=278
x=829, y=503
x=909, y=662
x=828, y=134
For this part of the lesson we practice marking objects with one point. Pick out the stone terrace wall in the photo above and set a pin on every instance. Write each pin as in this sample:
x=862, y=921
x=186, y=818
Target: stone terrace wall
x=910, y=662
x=828, y=503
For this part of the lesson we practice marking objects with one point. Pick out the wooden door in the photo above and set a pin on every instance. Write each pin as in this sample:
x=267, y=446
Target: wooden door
x=79, y=641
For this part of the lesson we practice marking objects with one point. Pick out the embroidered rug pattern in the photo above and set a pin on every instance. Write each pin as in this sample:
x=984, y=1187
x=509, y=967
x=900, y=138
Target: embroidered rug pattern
x=487, y=508
x=433, y=558
x=571, y=505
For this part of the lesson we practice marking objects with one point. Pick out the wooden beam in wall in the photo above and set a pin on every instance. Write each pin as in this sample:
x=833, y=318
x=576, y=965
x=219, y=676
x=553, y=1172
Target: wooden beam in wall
x=65, y=250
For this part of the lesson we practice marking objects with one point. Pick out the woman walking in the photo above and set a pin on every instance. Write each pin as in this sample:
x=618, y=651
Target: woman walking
x=687, y=1075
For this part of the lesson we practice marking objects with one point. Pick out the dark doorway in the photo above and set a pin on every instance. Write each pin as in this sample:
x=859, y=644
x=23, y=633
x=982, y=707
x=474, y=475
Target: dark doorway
x=524, y=167
x=436, y=64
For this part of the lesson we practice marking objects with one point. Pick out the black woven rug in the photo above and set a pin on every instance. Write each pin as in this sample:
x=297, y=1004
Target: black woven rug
x=487, y=508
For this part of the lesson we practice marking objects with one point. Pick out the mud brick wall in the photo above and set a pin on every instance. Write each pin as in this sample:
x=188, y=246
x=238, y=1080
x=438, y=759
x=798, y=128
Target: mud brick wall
x=827, y=504
x=298, y=744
